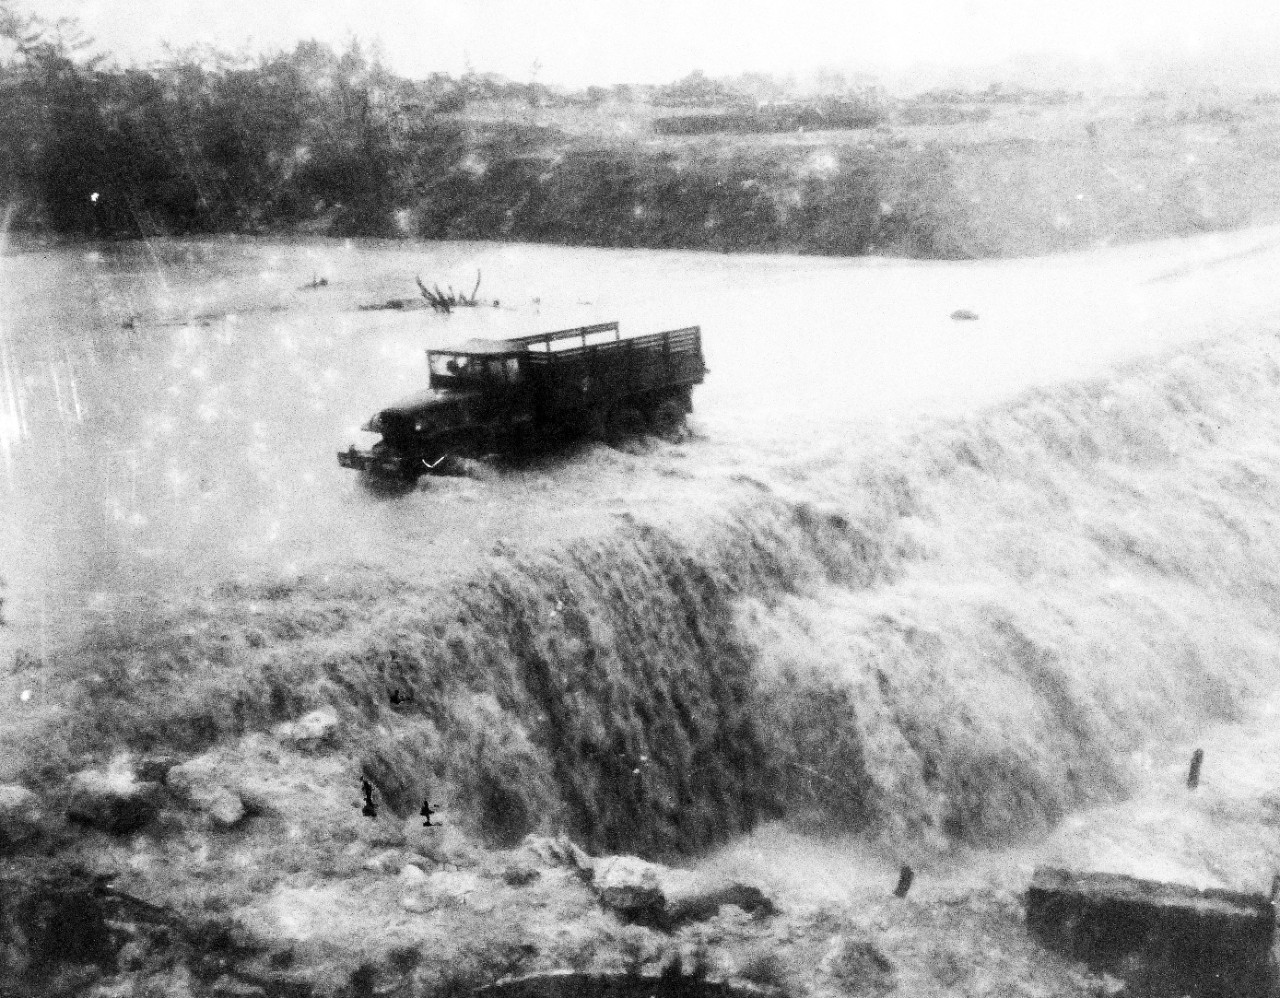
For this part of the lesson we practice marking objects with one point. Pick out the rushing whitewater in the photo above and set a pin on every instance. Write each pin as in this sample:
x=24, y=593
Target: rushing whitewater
x=953, y=594
x=951, y=632
x=168, y=410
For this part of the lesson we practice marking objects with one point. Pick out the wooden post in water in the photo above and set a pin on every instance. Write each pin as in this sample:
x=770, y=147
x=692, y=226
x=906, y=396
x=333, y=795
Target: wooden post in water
x=1193, y=777
x=905, y=876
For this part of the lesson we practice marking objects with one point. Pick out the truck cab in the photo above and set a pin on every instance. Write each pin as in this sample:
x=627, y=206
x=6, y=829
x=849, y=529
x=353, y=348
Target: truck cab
x=486, y=396
x=476, y=395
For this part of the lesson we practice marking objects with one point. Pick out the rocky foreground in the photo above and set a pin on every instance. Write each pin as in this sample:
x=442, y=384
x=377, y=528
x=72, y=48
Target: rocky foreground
x=214, y=876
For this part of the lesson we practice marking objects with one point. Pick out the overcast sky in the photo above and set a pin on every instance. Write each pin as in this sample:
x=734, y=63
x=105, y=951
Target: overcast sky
x=607, y=41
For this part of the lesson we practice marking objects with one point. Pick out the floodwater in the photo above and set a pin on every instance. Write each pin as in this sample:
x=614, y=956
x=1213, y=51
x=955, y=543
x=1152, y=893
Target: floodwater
x=170, y=411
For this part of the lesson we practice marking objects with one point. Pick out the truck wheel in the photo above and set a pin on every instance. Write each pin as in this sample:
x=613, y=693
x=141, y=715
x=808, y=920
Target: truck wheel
x=668, y=420
x=596, y=426
x=625, y=424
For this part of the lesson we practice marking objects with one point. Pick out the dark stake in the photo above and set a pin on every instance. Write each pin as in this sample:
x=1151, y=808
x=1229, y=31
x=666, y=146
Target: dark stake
x=904, y=881
x=1193, y=777
x=370, y=810
x=426, y=812
x=1275, y=888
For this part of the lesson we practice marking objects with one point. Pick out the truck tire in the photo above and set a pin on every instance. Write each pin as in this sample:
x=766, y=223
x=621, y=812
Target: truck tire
x=596, y=425
x=383, y=451
x=668, y=420
x=625, y=423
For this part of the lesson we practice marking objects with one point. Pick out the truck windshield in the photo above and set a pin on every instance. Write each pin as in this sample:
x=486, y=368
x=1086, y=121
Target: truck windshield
x=458, y=365
x=453, y=365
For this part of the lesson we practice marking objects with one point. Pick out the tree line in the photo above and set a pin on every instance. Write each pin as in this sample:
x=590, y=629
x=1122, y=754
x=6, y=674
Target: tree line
x=336, y=143
x=203, y=142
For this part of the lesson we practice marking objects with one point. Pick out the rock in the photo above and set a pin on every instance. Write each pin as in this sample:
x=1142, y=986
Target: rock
x=647, y=894
x=312, y=731
x=519, y=875
x=227, y=986
x=197, y=784
x=22, y=817
x=132, y=956
x=698, y=899
x=113, y=800
x=121, y=988
x=447, y=844
x=154, y=768
x=858, y=967
x=382, y=831
x=964, y=315
x=226, y=809
x=382, y=862
x=412, y=874
x=414, y=904
x=1196, y=941
x=453, y=884
x=628, y=887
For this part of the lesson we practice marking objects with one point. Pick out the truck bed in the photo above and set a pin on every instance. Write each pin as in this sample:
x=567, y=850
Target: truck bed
x=581, y=376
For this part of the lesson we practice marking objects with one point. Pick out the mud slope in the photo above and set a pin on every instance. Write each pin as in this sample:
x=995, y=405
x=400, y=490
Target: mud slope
x=961, y=637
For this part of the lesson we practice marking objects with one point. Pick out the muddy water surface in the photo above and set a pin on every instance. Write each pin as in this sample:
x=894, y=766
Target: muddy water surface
x=170, y=412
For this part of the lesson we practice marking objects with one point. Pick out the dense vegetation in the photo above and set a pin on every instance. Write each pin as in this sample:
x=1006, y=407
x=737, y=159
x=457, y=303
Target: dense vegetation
x=334, y=143
x=337, y=143
x=204, y=144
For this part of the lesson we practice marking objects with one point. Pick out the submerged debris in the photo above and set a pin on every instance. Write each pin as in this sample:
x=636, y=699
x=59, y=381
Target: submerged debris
x=432, y=297
x=447, y=302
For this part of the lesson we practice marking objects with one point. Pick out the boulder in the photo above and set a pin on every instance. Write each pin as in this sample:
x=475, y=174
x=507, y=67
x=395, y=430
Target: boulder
x=519, y=875
x=858, y=967
x=113, y=800
x=312, y=731
x=656, y=896
x=452, y=883
x=628, y=887
x=1205, y=942
x=197, y=784
x=383, y=862
x=411, y=874
x=22, y=817
x=227, y=986
x=695, y=899
x=154, y=768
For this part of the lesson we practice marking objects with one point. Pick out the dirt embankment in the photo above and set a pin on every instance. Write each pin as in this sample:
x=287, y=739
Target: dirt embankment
x=956, y=640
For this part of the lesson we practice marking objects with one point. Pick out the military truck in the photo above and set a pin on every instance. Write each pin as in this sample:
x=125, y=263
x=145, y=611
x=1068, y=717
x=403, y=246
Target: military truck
x=502, y=396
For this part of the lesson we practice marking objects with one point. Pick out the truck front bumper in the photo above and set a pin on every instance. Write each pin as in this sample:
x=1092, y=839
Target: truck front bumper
x=363, y=460
x=392, y=465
